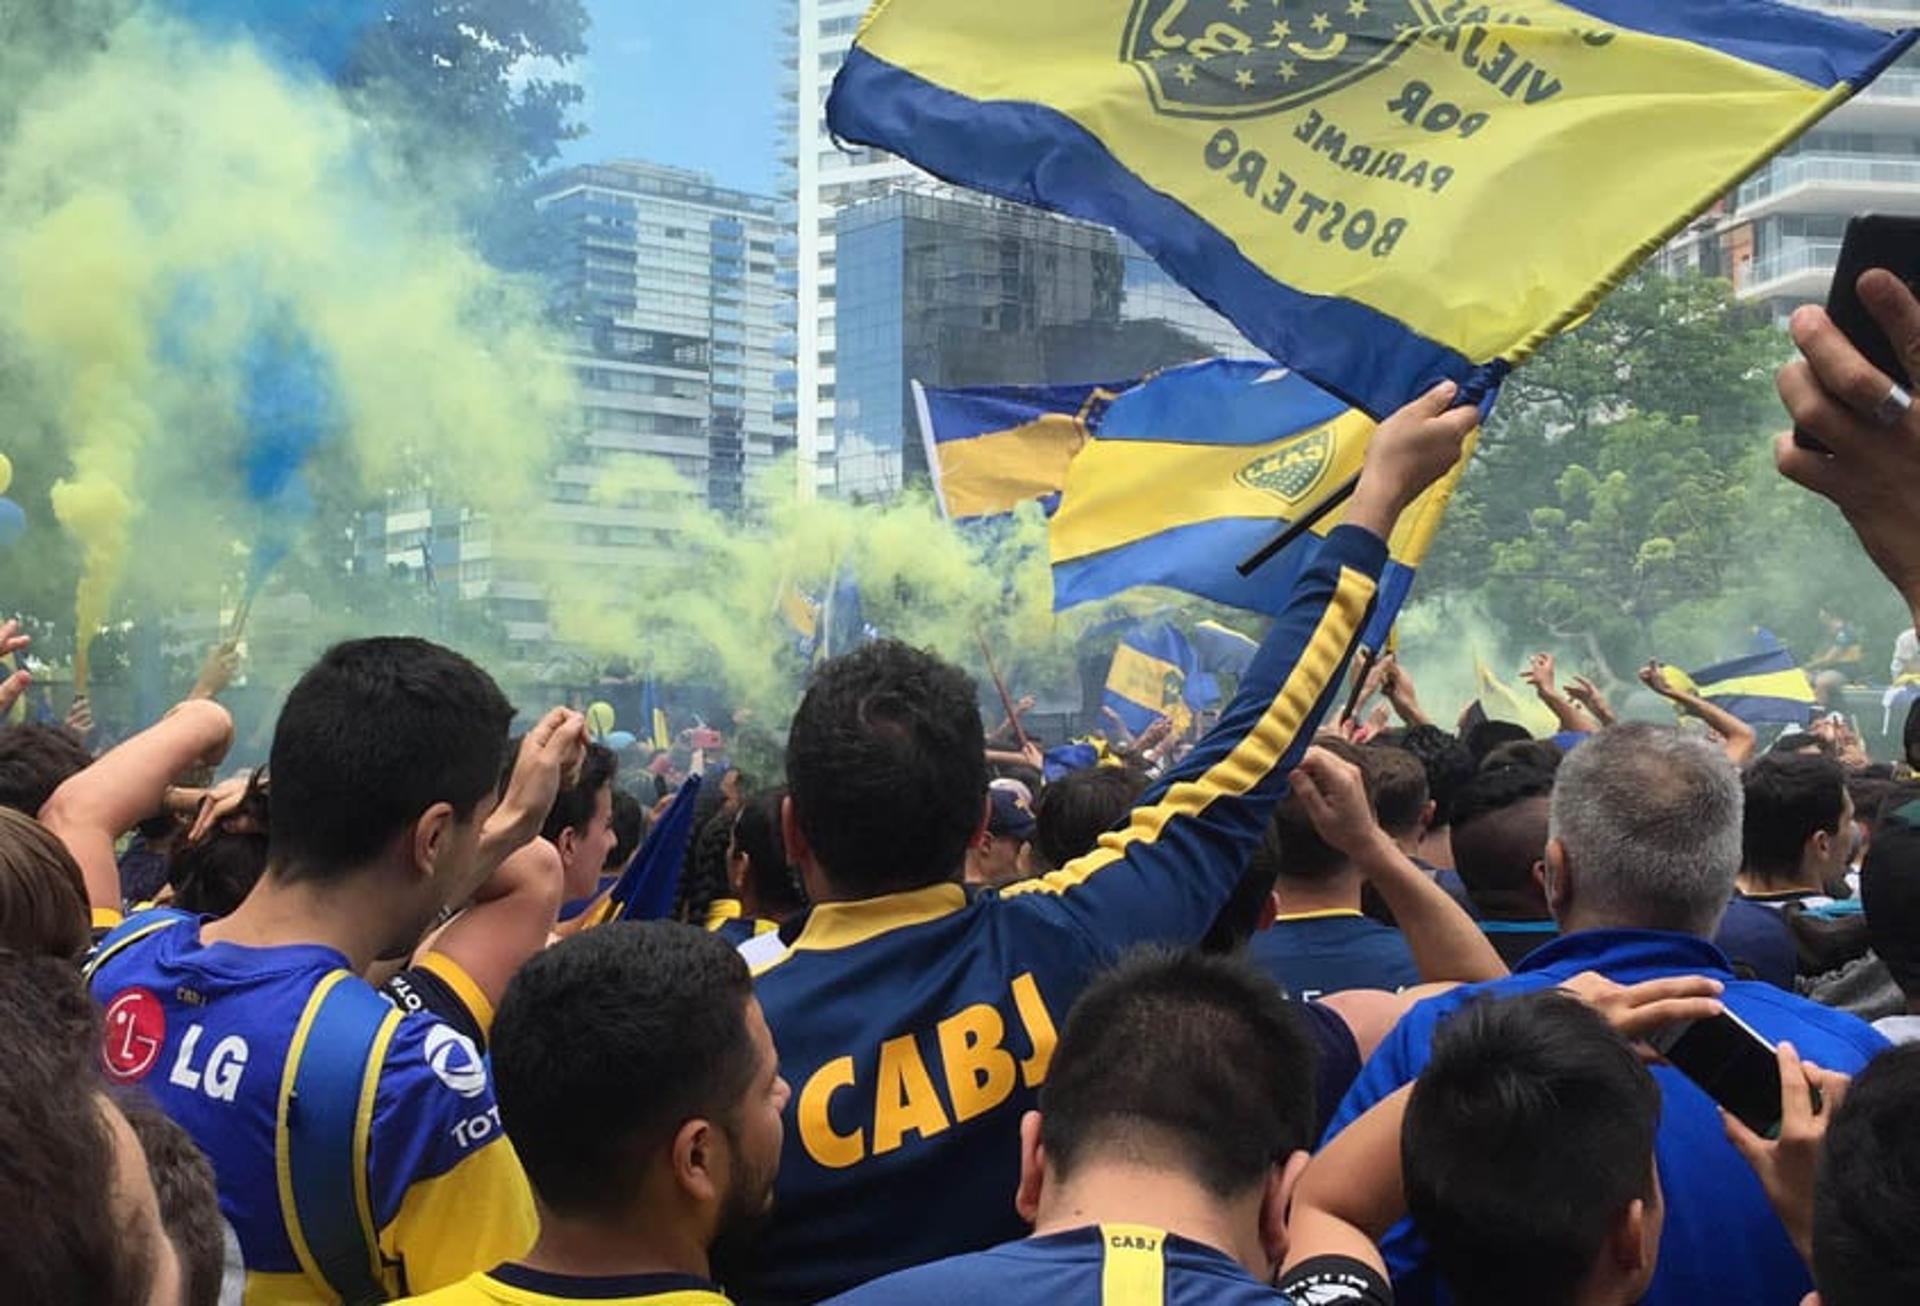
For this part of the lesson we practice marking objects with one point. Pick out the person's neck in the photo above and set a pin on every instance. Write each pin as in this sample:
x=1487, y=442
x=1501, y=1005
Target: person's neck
x=1803, y=880
x=1338, y=892
x=1494, y=906
x=350, y=915
x=1436, y=847
x=1120, y=1192
x=591, y=1249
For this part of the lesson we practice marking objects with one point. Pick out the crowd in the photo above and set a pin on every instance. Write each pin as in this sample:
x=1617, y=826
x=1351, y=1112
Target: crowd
x=1314, y=1010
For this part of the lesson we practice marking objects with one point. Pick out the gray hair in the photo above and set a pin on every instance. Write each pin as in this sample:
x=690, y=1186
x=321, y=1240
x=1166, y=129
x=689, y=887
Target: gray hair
x=1650, y=821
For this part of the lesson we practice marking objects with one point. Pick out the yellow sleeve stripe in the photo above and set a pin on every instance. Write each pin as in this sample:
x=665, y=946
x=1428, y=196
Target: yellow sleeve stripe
x=363, y=1137
x=1251, y=760
x=1133, y=1265
x=464, y=987
x=106, y=918
x=282, y=1155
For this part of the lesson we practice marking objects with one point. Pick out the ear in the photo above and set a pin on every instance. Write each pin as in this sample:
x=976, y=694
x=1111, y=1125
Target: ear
x=697, y=1162
x=1556, y=881
x=567, y=843
x=980, y=835
x=1033, y=1169
x=800, y=853
x=431, y=835
x=737, y=870
x=1426, y=816
x=1269, y=911
x=1275, y=1203
x=1633, y=1244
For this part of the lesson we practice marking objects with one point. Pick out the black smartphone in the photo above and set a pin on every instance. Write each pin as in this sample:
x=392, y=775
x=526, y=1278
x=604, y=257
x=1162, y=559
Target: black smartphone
x=1873, y=240
x=1733, y=1064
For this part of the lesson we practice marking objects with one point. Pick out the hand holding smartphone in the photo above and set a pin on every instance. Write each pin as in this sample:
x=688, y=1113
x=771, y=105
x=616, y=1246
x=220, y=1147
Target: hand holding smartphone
x=1733, y=1064
x=1873, y=240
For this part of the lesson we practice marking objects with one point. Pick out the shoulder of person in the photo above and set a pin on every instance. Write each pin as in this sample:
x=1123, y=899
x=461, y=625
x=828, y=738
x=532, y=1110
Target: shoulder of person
x=435, y=1098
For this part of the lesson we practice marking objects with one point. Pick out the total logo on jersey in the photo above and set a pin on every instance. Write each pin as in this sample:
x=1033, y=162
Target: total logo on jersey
x=455, y=1061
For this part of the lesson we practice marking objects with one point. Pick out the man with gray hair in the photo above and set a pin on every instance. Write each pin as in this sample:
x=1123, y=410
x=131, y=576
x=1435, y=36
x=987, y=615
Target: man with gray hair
x=1643, y=847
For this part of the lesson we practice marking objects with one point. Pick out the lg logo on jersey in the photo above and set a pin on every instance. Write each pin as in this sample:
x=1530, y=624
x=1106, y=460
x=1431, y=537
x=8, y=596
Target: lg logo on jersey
x=136, y=1029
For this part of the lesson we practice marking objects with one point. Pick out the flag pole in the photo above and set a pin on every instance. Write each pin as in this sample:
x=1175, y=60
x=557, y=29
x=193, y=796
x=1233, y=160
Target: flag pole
x=1006, y=699
x=1300, y=525
x=1368, y=657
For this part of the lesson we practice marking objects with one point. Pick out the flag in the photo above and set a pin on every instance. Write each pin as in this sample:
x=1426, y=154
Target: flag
x=800, y=613
x=653, y=718
x=1196, y=467
x=1373, y=194
x=993, y=448
x=842, y=628
x=1761, y=689
x=1154, y=674
x=1222, y=650
x=1501, y=701
x=646, y=889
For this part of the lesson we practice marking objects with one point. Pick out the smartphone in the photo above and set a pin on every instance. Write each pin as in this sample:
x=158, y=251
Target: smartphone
x=1732, y=1063
x=1873, y=240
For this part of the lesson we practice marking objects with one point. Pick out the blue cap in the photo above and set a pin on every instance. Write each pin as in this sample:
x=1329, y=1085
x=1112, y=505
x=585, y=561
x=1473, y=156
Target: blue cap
x=1011, y=818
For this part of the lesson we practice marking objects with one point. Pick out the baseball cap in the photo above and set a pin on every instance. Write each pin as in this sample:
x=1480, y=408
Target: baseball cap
x=1012, y=816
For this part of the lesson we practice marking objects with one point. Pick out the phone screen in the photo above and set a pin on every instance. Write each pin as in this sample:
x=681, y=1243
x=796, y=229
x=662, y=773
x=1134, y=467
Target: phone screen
x=1734, y=1066
x=1873, y=240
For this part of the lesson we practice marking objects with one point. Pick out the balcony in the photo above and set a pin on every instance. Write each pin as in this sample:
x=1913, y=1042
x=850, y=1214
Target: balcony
x=1831, y=183
x=1890, y=105
x=1800, y=272
x=1879, y=13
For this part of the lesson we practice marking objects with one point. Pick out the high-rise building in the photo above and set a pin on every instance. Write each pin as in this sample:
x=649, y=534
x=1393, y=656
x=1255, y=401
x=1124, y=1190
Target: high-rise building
x=674, y=299
x=951, y=288
x=824, y=179
x=1777, y=236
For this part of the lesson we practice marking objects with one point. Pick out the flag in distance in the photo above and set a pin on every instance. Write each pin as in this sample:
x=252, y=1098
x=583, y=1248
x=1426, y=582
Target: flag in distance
x=1761, y=689
x=1155, y=674
x=992, y=448
x=1380, y=193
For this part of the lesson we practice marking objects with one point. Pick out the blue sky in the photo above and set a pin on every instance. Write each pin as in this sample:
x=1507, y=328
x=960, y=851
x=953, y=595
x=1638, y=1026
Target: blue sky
x=693, y=83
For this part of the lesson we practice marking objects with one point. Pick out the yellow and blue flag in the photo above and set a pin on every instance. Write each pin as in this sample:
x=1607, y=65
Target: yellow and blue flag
x=1221, y=649
x=653, y=717
x=1381, y=193
x=1767, y=688
x=993, y=448
x=1154, y=674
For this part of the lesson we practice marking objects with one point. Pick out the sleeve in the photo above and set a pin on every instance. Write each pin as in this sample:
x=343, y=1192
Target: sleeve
x=1394, y=1064
x=1336, y=1281
x=439, y=987
x=1163, y=877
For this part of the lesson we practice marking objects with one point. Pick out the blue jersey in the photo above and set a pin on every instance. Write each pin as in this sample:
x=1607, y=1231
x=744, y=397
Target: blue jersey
x=206, y=1031
x=917, y=1027
x=1116, y=1265
x=1319, y=952
x=1722, y=1241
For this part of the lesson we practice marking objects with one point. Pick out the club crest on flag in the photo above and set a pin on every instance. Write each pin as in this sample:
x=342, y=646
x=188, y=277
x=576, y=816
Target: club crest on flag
x=1247, y=58
x=1290, y=472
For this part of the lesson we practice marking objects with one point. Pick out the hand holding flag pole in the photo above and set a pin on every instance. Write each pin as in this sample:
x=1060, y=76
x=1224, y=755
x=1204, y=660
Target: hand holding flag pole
x=1006, y=699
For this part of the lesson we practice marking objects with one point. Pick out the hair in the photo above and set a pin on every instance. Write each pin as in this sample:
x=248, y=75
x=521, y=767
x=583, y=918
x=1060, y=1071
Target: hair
x=1651, y=823
x=607, y=1043
x=1183, y=1061
x=1448, y=763
x=1792, y=743
x=1528, y=1134
x=629, y=828
x=573, y=806
x=1910, y=736
x=1298, y=851
x=886, y=761
x=375, y=733
x=1499, y=833
x=189, y=1200
x=1789, y=798
x=1890, y=897
x=1073, y=812
x=1866, y=1194
x=1871, y=795
x=1533, y=754
x=1399, y=785
x=65, y=1242
x=703, y=874
x=35, y=760
x=756, y=834
x=1483, y=737
x=1239, y=919
x=43, y=897
x=214, y=876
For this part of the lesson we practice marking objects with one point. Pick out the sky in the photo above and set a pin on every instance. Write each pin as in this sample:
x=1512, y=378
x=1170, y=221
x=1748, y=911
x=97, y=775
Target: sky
x=692, y=83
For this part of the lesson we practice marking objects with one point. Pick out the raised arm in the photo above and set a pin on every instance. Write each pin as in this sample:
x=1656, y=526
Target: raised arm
x=1539, y=674
x=1399, y=689
x=1736, y=736
x=551, y=752
x=509, y=920
x=1164, y=876
x=1588, y=695
x=94, y=808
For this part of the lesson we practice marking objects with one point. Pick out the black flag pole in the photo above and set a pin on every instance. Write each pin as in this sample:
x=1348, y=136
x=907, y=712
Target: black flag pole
x=1300, y=525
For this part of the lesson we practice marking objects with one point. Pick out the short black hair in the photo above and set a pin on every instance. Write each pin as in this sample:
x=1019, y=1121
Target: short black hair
x=1483, y=737
x=1533, y=754
x=35, y=760
x=573, y=806
x=1910, y=736
x=1866, y=1194
x=1449, y=765
x=1239, y=920
x=66, y=1241
x=1399, y=784
x=629, y=828
x=1074, y=811
x=756, y=833
x=189, y=1200
x=214, y=876
x=607, y=1043
x=1789, y=797
x=1890, y=895
x=1196, y=1062
x=1499, y=832
x=886, y=761
x=1529, y=1132
x=1795, y=742
x=375, y=733
x=1298, y=851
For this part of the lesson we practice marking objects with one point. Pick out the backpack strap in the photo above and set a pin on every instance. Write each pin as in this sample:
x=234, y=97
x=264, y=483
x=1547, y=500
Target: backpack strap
x=322, y=1130
x=131, y=931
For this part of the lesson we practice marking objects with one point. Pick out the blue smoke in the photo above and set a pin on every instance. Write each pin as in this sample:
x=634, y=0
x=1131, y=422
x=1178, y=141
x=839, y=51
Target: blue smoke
x=289, y=410
x=322, y=33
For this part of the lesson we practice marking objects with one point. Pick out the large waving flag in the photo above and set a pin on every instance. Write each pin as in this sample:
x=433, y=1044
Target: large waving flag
x=1381, y=193
x=1761, y=689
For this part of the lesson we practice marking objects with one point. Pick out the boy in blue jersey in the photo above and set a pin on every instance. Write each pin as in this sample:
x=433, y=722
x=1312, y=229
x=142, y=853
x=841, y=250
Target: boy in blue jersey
x=385, y=764
x=1172, y=1128
x=1645, y=843
x=918, y=1018
x=640, y=1086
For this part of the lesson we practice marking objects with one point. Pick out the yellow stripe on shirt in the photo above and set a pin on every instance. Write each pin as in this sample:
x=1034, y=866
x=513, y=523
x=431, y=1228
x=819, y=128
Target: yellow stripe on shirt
x=1133, y=1265
x=464, y=986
